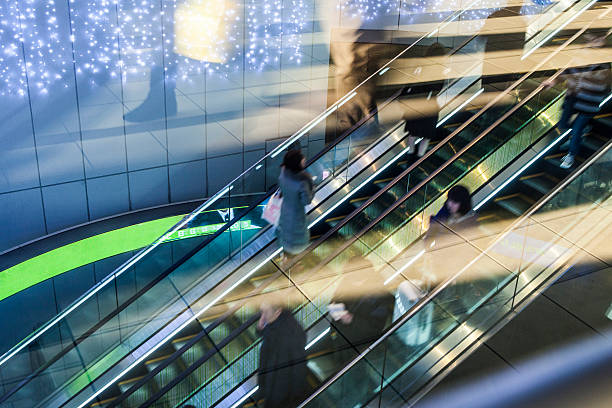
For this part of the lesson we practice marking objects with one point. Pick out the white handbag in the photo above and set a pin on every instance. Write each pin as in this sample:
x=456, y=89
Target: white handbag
x=271, y=212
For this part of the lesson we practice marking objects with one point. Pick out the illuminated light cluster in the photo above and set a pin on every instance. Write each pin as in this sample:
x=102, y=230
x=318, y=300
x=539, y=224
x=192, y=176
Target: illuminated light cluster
x=45, y=42
x=367, y=10
x=432, y=11
x=273, y=29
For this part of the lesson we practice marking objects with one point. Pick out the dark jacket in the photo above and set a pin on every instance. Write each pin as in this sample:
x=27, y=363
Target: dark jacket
x=422, y=123
x=297, y=190
x=370, y=304
x=282, y=363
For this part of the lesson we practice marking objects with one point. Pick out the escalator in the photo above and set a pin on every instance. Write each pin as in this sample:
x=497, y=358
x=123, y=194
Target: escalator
x=499, y=205
x=204, y=352
x=176, y=334
x=512, y=267
x=236, y=345
x=354, y=168
x=540, y=175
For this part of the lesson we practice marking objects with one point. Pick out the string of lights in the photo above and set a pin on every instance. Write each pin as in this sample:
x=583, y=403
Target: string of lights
x=39, y=38
x=36, y=39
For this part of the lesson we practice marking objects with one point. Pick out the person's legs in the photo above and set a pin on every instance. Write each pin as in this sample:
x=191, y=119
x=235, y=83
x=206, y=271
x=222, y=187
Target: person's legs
x=578, y=128
x=567, y=112
x=423, y=147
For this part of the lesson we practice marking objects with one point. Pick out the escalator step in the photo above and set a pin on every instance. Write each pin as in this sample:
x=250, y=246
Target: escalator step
x=126, y=384
x=265, y=276
x=103, y=403
x=383, y=181
x=357, y=201
x=152, y=363
x=183, y=339
x=540, y=182
x=591, y=143
x=334, y=220
x=516, y=203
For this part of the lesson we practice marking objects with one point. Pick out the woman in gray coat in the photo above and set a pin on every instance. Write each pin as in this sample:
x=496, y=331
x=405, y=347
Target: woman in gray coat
x=297, y=190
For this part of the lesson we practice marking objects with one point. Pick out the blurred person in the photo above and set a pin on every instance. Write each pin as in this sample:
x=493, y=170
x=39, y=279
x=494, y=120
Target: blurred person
x=359, y=36
x=424, y=126
x=360, y=307
x=353, y=59
x=455, y=214
x=297, y=191
x=587, y=87
x=282, y=358
x=456, y=217
x=359, y=311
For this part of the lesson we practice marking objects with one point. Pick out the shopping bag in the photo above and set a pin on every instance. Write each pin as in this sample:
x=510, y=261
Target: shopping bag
x=271, y=212
x=200, y=29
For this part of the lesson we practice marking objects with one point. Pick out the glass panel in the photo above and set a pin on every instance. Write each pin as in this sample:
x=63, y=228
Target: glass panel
x=475, y=285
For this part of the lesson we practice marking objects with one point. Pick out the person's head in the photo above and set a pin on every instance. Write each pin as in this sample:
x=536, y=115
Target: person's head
x=459, y=200
x=294, y=160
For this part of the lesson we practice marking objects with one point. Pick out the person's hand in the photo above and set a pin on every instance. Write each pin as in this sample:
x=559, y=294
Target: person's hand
x=261, y=323
x=347, y=318
x=549, y=83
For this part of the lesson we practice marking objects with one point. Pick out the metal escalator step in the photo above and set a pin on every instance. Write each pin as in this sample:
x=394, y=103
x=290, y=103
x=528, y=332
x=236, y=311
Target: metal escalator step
x=604, y=116
x=383, y=181
x=155, y=361
x=333, y=220
x=103, y=403
x=602, y=126
x=541, y=182
x=183, y=339
x=262, y=277
x=598, y=136
x=208, y=318
x=357, y=201
x=517, y=203
x=489, y=217
x=126, y=384
x=591, y=143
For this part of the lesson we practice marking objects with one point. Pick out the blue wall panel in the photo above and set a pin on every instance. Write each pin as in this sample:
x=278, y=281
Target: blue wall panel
x=65, y=205
x=149, y=188
x=188, y=181
x=108, y=196
x=21, y=217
